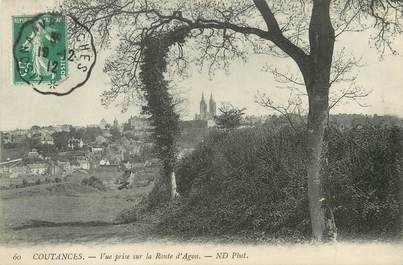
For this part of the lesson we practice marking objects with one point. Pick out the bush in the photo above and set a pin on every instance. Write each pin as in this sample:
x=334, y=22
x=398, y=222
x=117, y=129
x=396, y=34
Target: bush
x=25, y=183
x=362, y=181
x=126, y=216
x=94, y=182
x=254, y=181
x=243, y=180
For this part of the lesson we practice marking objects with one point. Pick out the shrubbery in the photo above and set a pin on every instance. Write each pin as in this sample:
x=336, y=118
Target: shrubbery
x=254, y=181
x=362, y=180
x=94, y=182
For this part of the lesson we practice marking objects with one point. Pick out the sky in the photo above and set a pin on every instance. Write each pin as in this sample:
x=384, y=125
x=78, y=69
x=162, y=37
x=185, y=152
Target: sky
x=22, y=107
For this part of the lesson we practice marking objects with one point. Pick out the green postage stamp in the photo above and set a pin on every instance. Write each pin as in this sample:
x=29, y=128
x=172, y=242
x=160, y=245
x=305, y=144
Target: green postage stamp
x=47, y=57
x=40, y=50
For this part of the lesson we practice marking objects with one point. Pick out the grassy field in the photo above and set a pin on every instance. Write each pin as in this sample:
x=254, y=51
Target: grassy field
x=67, y=211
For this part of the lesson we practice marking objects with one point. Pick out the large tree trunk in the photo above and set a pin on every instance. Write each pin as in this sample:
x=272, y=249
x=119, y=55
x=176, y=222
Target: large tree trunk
x=316, y=125
x=1, y=146
x=401, y=204
x=400, y=166
x=317, y=80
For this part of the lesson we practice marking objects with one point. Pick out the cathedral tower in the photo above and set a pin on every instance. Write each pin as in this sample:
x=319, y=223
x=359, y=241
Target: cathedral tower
x=203, y=108
x=212, y=106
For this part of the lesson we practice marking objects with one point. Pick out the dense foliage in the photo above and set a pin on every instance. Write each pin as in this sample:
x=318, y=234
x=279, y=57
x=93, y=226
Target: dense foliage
x=230, y=117
x=253, y=181
x=363, y=180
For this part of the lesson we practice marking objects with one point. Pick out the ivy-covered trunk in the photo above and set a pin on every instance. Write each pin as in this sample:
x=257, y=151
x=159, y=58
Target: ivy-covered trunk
x=160, y=106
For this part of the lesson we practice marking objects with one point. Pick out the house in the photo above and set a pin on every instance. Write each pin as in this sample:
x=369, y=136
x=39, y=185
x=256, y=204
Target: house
x=38, y=168
x=33, y=154
x=46, y=139
x=104, y=162
x=19, y=138
x=7, y=138
x=15, y=171
x=35, y=136
x=78, y=160
x=20, y=132
x=63, y=164
x=84, y=164
x=75, y=143
x=19, y=171
x=96, y=149
x=139, y=126
x=6, y=167
x=77, y=155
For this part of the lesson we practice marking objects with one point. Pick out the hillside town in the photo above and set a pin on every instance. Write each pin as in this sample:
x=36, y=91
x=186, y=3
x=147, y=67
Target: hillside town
x=52, y=153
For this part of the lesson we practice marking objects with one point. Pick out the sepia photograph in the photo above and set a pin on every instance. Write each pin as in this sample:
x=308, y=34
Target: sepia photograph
x=201, y=132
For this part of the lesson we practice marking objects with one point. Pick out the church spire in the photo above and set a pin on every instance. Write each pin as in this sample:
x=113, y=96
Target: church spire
x=212, y=106
x=203, y=108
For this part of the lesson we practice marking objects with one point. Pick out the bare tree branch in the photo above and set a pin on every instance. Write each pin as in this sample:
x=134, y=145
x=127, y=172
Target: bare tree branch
x=292, y=110
x=352, y=93
x=284, y=77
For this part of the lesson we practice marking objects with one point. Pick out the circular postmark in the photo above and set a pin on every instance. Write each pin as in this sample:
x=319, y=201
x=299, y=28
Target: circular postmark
x=53, y=53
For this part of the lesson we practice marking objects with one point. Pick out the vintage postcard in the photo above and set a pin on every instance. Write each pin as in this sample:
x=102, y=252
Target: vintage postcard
x=201, y=132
